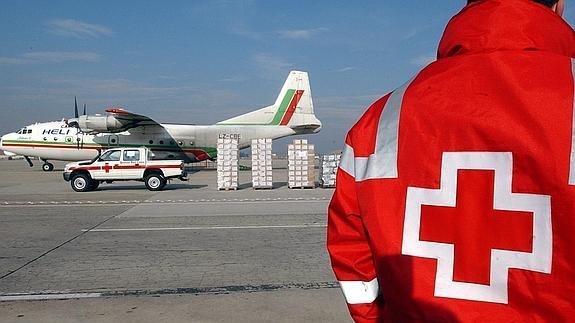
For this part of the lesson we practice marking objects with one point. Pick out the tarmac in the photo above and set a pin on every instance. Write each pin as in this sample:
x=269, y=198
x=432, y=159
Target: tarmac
x=190, y=253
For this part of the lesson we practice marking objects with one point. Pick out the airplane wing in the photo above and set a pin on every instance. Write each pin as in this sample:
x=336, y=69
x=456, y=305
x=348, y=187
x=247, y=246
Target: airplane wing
x=117, y=120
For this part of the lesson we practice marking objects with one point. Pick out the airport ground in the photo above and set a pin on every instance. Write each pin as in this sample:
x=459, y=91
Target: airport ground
x=190, y=253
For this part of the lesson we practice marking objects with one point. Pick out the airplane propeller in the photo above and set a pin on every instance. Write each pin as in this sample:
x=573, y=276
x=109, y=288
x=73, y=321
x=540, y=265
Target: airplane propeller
x=80, y=133
x=76, y=114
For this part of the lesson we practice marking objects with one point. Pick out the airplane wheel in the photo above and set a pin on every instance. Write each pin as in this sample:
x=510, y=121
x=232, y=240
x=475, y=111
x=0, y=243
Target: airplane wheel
x=48, y=167
x=81, y=183
x=155, y=182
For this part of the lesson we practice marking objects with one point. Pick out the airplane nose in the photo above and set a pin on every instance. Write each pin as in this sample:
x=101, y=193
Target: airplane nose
x=2, y=139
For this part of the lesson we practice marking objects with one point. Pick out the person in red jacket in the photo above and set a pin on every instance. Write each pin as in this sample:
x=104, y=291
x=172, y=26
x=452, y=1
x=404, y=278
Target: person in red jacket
x=455, y=196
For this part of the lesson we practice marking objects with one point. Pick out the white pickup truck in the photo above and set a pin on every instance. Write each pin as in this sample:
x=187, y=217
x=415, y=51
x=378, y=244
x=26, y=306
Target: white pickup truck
x=123, y=164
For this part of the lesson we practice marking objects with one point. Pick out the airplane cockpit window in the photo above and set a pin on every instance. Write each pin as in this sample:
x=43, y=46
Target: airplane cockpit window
x=112, y=155
x=24, y=131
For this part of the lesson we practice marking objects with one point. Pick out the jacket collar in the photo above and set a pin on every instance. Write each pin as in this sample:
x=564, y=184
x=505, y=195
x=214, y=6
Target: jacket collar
x=495, y=25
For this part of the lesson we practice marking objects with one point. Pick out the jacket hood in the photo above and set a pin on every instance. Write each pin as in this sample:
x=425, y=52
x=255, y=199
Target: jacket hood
x=495, y=25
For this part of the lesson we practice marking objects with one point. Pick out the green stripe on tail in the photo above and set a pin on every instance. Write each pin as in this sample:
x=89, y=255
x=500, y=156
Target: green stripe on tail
x=283, y=107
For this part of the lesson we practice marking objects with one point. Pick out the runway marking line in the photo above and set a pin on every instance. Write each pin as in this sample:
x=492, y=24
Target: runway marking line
x=52, y=295
x=43, y=297
x=247, y=227
x=135, y=202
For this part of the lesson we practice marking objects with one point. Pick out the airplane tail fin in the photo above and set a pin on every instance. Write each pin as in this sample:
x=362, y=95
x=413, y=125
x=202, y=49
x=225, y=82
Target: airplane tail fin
x=293, y=108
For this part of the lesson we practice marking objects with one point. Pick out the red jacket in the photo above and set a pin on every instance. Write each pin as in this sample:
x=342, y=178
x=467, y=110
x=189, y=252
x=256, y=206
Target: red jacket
x=455, y=198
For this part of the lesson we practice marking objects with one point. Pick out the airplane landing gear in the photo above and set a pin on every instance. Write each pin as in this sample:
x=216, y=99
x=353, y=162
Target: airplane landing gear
x=29, y=161
x=47, y=167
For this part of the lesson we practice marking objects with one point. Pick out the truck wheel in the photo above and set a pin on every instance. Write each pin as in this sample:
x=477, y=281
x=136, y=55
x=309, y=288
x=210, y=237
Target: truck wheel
x=94, y=185
x=81, y=183
x=155, y=182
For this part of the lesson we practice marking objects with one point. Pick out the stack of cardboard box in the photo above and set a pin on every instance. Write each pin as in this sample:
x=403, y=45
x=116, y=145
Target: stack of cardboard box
x=301, y=164
x=227, y=164
x=329, y=166
x=262, y=163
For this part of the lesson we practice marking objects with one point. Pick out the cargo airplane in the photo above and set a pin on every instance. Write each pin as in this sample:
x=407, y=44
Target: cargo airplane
x=82, y=137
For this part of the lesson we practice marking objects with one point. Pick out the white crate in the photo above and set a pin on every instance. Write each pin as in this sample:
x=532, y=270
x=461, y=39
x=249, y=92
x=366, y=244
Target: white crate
x=261, y=157
x=227, y=164
x=329, y=167
x=301, y=164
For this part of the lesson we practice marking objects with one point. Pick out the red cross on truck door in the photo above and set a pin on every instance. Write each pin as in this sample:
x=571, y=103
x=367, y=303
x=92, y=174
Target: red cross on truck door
x=477, y=228
x=107, y=167
x=111, y=160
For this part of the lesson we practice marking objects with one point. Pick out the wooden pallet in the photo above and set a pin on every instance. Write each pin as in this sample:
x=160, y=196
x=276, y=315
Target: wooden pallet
x=227, y=189
x=301, y=187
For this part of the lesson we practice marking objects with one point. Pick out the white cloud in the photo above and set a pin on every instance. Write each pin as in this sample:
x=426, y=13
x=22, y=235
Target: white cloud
x=241, y=29
x=234, y=79
x=410, y=34
x=300, y=33
x=345, y=69
x=181, y=103
x=58, y=57
x=13, y=61
x=423, y=60
x=49, y=57
x=77, y=29
x=271, y=66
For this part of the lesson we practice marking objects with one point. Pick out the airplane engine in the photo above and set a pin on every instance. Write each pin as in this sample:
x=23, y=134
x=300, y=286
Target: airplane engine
x=99, y=123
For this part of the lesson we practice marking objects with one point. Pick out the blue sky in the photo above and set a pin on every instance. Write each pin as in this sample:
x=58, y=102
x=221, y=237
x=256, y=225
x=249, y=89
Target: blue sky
x=205, y=61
